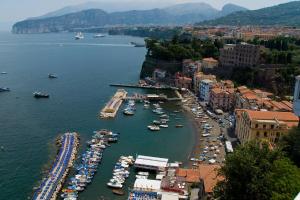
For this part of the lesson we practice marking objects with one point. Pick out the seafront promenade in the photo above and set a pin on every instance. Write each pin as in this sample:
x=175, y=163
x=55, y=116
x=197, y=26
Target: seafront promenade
x=51, y=185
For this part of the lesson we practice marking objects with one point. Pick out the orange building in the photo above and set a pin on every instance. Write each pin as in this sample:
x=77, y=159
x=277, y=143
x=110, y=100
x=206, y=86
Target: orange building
x=268, y=125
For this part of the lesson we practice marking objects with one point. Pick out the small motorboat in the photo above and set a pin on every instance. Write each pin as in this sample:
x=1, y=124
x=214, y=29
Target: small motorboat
x=51, y=76
x=179, y=126
x=4, y=89
x=114, y=184
x=153, y=128
x=3, y=72
x=164, y=126
x=156, y=122
x=118, y=191
x=99, y=35
x=40, y=95
x=128, y=112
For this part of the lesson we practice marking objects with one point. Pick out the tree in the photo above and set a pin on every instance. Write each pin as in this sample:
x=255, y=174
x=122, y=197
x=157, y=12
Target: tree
x=254, y=172
x=291, y=145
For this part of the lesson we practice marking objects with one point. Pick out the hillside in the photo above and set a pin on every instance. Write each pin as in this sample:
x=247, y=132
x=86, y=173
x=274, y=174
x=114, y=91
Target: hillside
x=287, y=14
x=188, y=13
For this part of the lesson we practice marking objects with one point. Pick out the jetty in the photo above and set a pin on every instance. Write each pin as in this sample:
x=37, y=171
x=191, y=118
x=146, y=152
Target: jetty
x=51, y=185
x=111, y=108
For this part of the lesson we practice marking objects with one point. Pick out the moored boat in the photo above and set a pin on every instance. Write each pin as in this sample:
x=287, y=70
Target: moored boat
x=153, y=128
x=52, y=76
x=4, y=89
x=40, y=95
x=179, y=126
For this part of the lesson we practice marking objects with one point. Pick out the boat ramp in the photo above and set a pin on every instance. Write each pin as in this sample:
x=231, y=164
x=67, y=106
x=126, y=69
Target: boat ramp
x=111, y=108
x=52, y=184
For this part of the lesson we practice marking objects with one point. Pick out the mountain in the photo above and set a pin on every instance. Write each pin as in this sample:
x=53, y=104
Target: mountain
x=231, y=8
x=188, y=13
x=287, y=14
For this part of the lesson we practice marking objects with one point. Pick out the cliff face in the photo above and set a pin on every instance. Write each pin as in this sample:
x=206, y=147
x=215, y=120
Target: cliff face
x=150, y=64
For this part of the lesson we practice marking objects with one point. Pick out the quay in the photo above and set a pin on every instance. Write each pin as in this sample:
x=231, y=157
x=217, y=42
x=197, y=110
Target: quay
x=51, y=186
x=111, y=108
x=154, y=97
x=144, y=86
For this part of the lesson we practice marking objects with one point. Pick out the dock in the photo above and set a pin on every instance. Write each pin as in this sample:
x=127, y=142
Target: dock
x=51, y=185
x=111, y=108
x=144, y=86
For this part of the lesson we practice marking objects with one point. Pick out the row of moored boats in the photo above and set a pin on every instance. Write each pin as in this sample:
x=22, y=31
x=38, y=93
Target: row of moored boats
x=89, y=162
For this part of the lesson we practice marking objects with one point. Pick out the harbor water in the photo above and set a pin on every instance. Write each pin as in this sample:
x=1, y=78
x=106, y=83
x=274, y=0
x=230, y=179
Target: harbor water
x=85, y=68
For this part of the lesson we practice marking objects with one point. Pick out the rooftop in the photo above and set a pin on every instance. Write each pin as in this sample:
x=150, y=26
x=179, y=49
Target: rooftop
x=147, y=184
x=151, y=161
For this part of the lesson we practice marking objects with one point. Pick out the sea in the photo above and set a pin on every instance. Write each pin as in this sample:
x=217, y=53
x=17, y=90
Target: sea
x=85, y=70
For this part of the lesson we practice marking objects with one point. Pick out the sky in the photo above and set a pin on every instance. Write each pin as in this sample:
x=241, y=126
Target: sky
x=14, y=10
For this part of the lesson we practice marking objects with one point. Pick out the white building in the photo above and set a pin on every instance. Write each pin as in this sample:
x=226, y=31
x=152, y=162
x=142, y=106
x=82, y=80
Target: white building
x=296, y=103
x=204, y=89
x=147, y=184
x=151, y=163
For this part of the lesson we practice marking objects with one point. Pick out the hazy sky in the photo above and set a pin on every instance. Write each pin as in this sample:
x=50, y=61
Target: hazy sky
x=13, y=10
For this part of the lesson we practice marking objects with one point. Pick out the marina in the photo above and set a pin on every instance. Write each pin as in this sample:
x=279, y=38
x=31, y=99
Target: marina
x=51, y=185
x=111, y=108
x=88, y=166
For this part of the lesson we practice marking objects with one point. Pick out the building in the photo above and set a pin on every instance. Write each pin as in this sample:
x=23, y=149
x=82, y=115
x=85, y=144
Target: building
x=198, y=77
x=190, y=67
x=240, y=55
x=159, y=74
x=221, y=98
x=183, y=81
x=268, y=125
x=151, y=163
x=296, y=104
x=204, y=89
x=209, y=63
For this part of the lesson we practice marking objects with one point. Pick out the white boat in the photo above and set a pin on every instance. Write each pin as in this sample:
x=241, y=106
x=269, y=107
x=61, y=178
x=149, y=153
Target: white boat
x=79, y=36
x=164, y=126
x=114, y=184
x=99, y=35
x=153, y=128
x=3, y=72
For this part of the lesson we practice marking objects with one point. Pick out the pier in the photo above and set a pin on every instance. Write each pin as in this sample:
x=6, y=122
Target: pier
x=51, y=185
x=144, y=86
x=153, y=97
x=111, y=108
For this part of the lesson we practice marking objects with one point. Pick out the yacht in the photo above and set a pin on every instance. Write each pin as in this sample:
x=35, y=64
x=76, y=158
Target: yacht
x=40, y=95
x=164, y=125
x=128, y=111
x=79, y=36
x=4, y=89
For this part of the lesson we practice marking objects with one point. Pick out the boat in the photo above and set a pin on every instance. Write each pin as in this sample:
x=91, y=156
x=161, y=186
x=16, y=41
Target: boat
x=79, y=36
x=4, y=89
x=153, y=128
x=40, y=95
x=164, y=125
x=156, y=122
x=118, y=191
x=52, y=76
x=179, y=126
x=143, y=173
x=128, y=111
x=114, y=184
x=3, y=72
x=99, y=35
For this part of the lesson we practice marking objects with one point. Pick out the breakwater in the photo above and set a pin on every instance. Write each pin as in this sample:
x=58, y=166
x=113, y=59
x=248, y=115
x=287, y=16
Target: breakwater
x=52, y=184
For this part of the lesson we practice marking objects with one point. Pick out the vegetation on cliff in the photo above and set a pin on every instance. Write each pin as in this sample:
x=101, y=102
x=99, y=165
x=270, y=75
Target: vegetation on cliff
x=255, y=171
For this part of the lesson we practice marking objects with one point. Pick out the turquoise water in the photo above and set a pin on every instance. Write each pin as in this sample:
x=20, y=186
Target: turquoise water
x=29, y=127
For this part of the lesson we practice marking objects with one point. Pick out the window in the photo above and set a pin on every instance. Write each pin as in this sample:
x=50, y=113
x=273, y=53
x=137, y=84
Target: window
x=256, y=125
x=265, y=134
x=277, y=134
x=264, y=126
x=272, y=126
x=257, y=134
